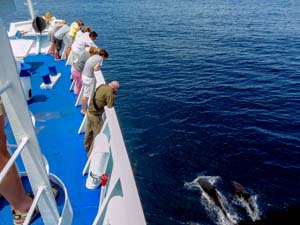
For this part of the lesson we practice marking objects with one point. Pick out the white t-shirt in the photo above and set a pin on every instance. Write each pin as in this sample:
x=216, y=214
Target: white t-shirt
x=81, y=42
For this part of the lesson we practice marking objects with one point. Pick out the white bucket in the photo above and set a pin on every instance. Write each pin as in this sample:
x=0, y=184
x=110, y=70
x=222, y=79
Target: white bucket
x=99, y=161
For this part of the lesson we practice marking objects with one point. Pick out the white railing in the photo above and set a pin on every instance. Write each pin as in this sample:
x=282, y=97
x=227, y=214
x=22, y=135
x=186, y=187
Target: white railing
x=122, y=172
x=121, y=181
x=28, y=148
x=120, y=204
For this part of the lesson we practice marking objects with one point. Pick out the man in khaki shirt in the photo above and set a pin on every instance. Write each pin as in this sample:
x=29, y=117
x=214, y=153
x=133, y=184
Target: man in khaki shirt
x=104, y=95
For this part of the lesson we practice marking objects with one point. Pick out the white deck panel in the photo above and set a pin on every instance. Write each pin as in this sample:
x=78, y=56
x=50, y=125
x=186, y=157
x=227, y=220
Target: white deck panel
x=21, y=47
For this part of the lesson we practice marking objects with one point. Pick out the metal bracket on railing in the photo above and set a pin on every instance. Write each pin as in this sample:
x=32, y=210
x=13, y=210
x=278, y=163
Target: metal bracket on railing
x=94, y=176
x=5, y=86
x=13, y=158
x=34, y=204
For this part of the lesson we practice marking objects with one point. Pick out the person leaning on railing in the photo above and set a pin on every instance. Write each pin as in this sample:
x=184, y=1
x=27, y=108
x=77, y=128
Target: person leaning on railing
x=78, y=66
x=104, y=95
x=60, y=37
x=89, y=81
x=11, y=187
x=74, y=28
x=51, y=37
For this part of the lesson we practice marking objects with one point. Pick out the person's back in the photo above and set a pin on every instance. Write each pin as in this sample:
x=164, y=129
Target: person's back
x=59, y=36
x=62, y=32
x=79, y=65
x=54, y=28
x=85, y=40
x=88, y=69
x=104, y=95
x=89, y=79
x=75, y=27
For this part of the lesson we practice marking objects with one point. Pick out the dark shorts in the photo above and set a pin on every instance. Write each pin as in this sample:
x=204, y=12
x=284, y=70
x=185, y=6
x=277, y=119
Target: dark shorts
x=58, y=44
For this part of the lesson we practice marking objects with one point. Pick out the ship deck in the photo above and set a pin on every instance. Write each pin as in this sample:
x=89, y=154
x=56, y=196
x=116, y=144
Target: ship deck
x=57, y=123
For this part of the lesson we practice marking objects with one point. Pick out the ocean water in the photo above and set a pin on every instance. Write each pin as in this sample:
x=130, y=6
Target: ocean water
x=208, y=88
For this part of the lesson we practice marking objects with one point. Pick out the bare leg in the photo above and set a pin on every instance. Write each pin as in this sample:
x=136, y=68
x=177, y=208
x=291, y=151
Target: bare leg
x=11, y=187
x=68, y=50
x=84, y=102
x=51, y=48
x=56, y=54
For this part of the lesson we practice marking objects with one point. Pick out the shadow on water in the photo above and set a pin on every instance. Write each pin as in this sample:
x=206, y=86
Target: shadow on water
x=289, y=216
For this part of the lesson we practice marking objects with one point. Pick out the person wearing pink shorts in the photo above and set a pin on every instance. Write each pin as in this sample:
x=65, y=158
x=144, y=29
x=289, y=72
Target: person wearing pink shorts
x=77, y=68
x=76, y=76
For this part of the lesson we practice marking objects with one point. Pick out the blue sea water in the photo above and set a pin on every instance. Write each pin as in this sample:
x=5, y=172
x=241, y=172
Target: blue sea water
x=208, y=88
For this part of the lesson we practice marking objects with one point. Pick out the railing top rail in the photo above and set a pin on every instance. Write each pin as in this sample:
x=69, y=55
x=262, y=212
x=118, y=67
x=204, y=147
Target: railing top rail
x=123, y=168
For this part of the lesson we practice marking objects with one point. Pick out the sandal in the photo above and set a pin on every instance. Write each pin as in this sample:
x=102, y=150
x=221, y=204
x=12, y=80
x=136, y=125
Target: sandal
x=21, y=217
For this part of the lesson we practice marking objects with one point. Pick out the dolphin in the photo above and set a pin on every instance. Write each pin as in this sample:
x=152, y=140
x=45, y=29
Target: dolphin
x=212, y=192
x=242, y=193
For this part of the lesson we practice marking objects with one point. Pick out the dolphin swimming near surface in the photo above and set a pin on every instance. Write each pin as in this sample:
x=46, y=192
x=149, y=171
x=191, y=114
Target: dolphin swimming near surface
x=212, y=192
x=242, y=193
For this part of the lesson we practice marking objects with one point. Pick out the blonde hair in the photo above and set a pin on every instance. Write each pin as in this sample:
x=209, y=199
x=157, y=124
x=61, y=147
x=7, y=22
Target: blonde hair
x=48, y=16
x=79, y=22
x=98, y=51
x=93, y=50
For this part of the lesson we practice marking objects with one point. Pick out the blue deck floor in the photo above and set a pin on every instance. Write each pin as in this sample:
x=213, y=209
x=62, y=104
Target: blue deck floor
x=57, y=123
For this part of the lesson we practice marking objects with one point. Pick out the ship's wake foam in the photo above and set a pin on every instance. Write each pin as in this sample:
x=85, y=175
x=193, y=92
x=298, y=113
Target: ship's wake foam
x=228, y=215
x=253, y=214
